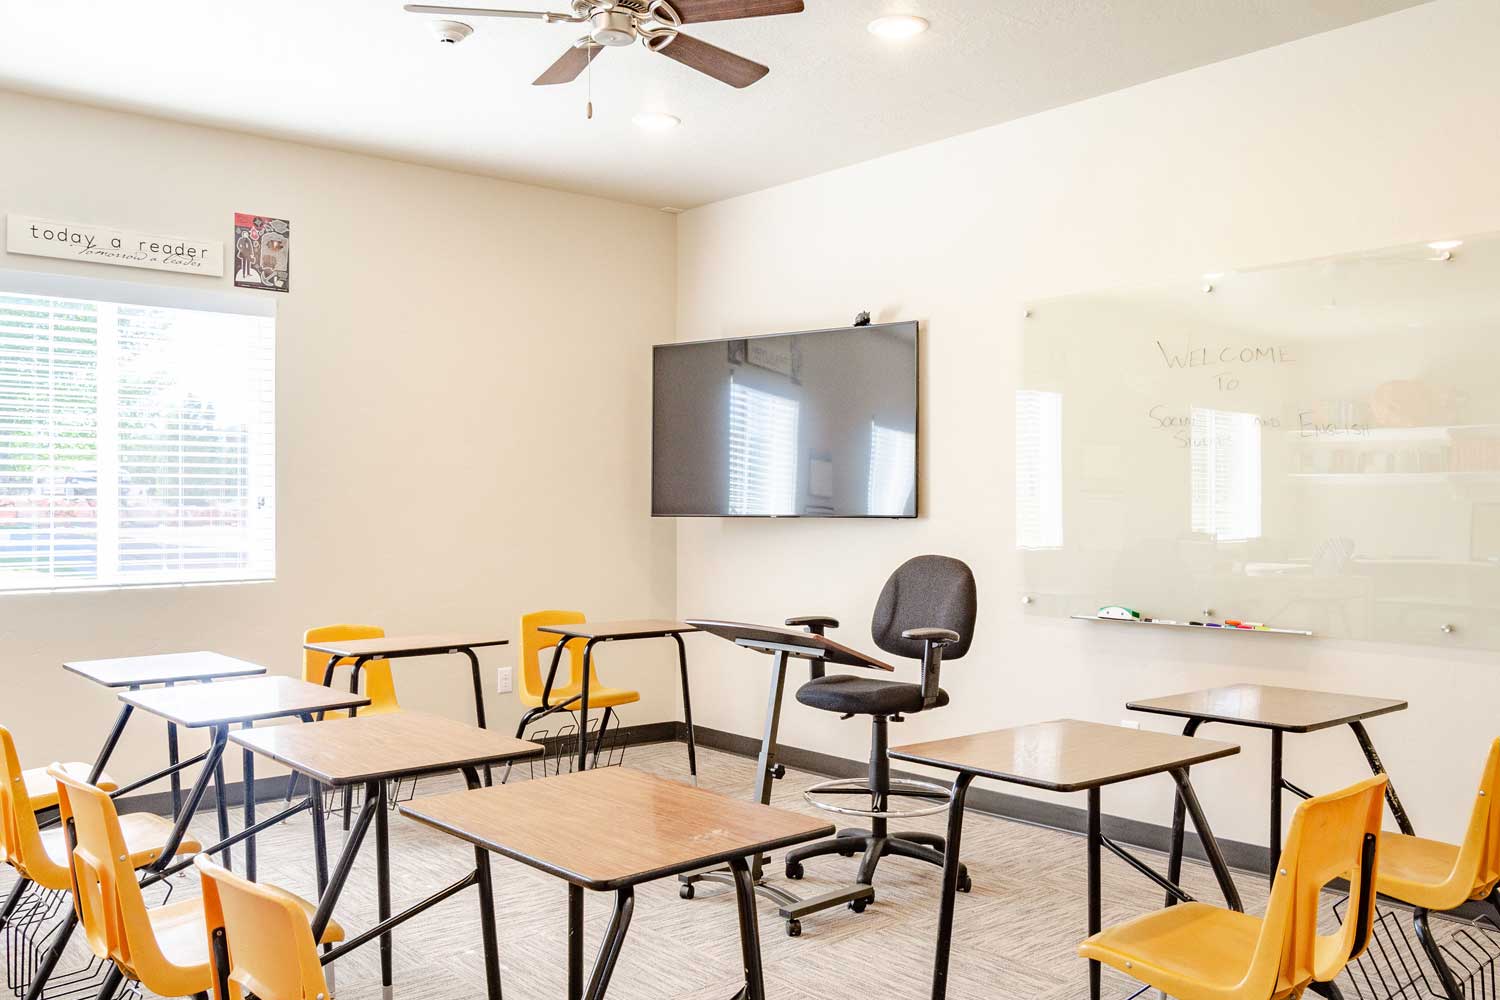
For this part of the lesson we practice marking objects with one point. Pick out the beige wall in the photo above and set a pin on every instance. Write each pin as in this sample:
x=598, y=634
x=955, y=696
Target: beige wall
x=1377, y=134
x=462, y=434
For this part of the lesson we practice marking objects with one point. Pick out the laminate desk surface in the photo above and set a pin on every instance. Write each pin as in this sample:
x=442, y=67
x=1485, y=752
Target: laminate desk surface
x=610, y=827
x=367, y=747
x=163, y=668
x=1065, y=755
x=407, y=645
x=1288, y=709
x=248, y=700
x=636, y=628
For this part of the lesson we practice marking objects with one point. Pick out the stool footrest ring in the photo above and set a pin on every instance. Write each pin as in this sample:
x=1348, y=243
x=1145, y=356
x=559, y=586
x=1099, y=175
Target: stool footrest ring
x=904, y=786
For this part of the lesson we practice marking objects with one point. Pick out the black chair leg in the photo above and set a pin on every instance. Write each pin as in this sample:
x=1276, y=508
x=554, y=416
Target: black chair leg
x=877, y=848
x=932, y=840
x=838, y=845
x=1451, y=988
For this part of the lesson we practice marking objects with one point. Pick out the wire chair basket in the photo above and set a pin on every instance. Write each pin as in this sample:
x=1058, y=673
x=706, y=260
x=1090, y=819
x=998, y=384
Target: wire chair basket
x=31, y=928
x=1394, y=967
x=606, y=748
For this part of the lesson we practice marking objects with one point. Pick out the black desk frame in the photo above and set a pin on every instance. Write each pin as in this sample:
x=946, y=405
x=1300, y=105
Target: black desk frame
x=791, y=908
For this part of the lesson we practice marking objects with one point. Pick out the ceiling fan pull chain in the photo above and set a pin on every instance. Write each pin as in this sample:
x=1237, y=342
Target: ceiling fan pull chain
x=591, y=88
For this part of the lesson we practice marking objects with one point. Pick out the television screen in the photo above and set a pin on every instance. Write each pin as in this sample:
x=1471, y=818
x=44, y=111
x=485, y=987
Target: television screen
x=819, y=424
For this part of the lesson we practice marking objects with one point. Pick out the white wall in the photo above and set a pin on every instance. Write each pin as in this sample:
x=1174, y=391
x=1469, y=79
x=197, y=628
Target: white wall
x=1377, y=134
x=463, y=435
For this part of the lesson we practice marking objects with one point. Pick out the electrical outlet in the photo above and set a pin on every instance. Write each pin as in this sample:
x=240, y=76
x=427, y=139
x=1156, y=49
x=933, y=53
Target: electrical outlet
x=1130, y=724
x=503, y=677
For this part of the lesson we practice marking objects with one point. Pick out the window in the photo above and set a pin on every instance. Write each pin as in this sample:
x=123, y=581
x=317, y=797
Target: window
x=137, y=441
x=893, y=470
x=1226, y=474
x=762, y=451
x=1039, y=520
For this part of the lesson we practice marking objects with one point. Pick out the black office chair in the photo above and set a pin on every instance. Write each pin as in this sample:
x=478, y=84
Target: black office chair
x=926, y=612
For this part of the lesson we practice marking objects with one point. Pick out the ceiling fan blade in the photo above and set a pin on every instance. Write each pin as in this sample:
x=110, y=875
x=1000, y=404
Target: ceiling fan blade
x=567, y=68
x=534, y=15
x=726, y=67
x=698, y=11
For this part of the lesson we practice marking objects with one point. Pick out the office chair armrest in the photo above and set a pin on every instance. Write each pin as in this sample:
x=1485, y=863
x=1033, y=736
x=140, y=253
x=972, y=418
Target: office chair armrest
x=815, y=624
x=933, y=640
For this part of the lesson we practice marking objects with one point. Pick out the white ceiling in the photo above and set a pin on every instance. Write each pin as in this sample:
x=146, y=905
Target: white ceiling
x=366, y=76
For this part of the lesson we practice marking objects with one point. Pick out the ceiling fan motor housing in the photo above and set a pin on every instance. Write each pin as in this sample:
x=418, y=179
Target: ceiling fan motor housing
x=612, y=27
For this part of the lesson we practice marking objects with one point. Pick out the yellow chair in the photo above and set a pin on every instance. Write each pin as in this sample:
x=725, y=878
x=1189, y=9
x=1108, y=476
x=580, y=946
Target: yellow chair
x=380, y=686
x=537, y=645
x=259, y=939
x=1433, y=876
x=41, y=856
x=1194, y=951
x=164, y=948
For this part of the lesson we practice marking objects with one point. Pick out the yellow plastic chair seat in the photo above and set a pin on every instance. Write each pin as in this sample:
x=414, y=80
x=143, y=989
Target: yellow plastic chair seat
x=1419, y=871
x=1184, y=950
x=42, y=790
x=181, y=932
x=599, y=697
x=145, y=836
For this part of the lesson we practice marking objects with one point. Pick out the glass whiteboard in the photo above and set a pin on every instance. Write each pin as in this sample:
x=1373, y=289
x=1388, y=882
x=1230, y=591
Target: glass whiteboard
x=1313, y=446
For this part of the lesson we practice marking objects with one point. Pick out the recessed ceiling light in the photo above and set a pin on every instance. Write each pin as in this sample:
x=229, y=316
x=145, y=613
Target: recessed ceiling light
x=1445, y=245
x=898, y=26
x=656, y=121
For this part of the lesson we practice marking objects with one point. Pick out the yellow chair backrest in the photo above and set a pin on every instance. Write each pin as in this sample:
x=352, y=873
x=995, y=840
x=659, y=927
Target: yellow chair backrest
x=1331, y=836
x=537, y=645
x=380, y=686
x=105, y=891
x=1478, y=867
x=271, y=952
x=20, y=836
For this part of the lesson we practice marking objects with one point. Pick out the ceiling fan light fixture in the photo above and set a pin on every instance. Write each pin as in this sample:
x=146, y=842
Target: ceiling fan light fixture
x=656, y=121
x=898, y=27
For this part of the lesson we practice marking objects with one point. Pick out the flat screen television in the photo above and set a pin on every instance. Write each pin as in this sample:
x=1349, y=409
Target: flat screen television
x=816, y=424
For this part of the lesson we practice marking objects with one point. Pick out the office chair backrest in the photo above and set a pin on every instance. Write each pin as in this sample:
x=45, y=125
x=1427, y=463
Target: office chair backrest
x=20, y=838
x=1331, y=836
x=926, y=592
x=380, y=686
x=271, y=952
x=537, y=646
x=105, y=891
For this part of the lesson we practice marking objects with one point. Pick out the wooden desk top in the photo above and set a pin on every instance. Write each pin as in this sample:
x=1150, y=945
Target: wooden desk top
x=369, y=747
x=394, y=646
x=249, y=700
x=611, y=827
x=134, y=671
x=637, y=628
x=1065, y=755
x=1288, y=709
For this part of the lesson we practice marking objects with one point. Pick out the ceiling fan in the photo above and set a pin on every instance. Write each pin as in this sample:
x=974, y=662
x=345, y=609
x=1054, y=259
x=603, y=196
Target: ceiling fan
x=656, y=23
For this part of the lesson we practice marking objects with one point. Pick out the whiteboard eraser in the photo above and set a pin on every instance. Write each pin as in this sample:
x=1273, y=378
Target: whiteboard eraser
x=1116, y=611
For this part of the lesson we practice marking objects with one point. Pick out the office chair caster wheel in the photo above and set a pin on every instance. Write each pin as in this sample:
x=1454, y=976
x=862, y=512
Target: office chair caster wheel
x=686, y=890
x=794, y=928
x=965, y=884
x=851, y=852
x=858, y=905
x=794, y=870
x=778, y=772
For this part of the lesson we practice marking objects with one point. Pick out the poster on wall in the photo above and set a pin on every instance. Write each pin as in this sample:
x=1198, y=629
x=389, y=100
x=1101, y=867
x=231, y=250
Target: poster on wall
x=98, y=245
x=262, y=252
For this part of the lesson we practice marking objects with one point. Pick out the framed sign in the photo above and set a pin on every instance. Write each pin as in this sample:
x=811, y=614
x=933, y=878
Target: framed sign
x=25, y=234
x=262, y=252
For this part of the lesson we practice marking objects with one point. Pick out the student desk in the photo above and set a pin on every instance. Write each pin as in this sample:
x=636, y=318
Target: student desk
x=1280, y=710
x=1068, y=756
x=612, y=829
x=216, y=707
x=166, y=669
x=594, y=633
x=371, y=751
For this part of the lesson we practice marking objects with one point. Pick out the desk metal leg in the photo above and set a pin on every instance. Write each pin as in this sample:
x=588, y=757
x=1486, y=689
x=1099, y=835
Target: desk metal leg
x=1096, y=920
x=486, y=889
x=248, y=765
x=1278, y=785
x=575, y=942
x=687, y=707
x=330, y=898
x=489, y=778
x=744, y=898
x=377, y=791
x=221, y=799
x=583, y=707
x=614, y=940
x=949, y=893
x=354, y=672
x=172, y=760
x=107, y=751
x=1376, y=767
x=1188, y=798
x=212, y=765
x=1179, y=817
